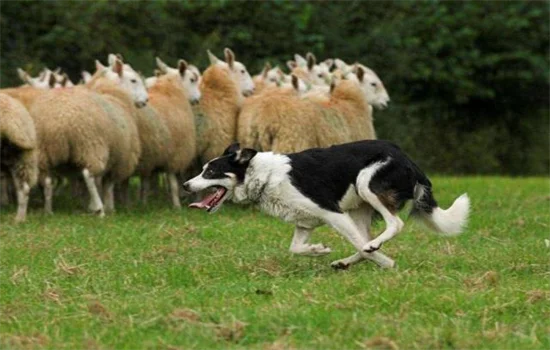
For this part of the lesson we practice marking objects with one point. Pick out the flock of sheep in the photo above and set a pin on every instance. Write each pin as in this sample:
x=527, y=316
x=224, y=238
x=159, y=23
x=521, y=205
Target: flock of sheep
x=115, y=124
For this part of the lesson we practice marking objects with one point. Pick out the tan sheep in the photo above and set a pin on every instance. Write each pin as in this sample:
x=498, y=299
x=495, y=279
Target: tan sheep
x=278, y=120
x=18, y=150
x=287, y=123
x=167, y=130
x=89, y=129
x=223, y=88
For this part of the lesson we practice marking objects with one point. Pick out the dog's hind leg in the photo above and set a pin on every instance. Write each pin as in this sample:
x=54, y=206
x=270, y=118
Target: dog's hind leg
x=301, y=246
x=344, y=224
x=362, y=218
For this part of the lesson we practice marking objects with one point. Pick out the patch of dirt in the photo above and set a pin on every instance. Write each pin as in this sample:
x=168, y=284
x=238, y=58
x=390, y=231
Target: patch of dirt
x=232, y=332
x=534, y=296
x=185, y=315
x=488, y=280
x=380, y=343
x=98, y=309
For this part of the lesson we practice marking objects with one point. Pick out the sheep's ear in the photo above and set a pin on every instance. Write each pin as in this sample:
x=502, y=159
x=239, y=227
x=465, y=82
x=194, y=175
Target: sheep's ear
x=182, y=66
x=310, y=60
x=340, y=64
x=158, y=73
x=229, y=57
x=213, y=59
x=360, y=72
x=119, y=56
x=161, y=65
x=65, y=80
x=57, y=70
x=111, y=59
x=86, y=76
x=300, y=61
x=99, y=66
x=267, y=68
x=280, y=72
x=42, y=75
x=332, y=85
x=329, y=62
x=52, y=81
x=118, y=67
x=295, y=82
x=24, y=76
x=291, y=64
x=233, y=148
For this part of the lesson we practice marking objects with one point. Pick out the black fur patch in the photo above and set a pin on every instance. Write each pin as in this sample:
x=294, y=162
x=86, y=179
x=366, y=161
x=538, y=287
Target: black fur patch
x=233, y=160
x=325, y=174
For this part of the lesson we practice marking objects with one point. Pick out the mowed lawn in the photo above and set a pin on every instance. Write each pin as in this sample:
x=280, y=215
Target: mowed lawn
x=156, y=278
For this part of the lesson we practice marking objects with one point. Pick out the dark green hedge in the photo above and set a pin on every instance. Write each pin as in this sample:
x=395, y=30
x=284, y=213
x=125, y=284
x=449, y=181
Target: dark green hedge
x=469, y=81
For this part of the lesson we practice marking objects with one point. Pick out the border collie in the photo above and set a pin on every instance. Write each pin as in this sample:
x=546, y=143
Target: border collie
x=340, y=186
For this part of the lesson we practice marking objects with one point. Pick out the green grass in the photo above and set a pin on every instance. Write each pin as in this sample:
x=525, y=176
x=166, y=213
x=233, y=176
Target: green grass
x=155, y=278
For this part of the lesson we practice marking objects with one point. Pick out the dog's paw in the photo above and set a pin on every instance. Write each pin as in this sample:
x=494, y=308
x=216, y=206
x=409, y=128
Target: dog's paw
x=318, y=249
x=340, y=264
x=371, y=247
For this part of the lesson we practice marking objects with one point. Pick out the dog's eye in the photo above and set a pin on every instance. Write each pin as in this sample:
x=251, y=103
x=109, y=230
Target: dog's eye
x=208, y=173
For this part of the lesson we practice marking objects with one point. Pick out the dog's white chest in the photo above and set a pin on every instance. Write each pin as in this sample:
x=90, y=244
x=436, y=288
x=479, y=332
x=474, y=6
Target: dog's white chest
x=350, y=200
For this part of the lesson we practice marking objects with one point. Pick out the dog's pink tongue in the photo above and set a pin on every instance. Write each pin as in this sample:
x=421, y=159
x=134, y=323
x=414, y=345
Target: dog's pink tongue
x=205, y=203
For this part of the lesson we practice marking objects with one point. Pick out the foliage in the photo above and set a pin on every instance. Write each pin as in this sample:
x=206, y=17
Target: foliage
x=469, y=77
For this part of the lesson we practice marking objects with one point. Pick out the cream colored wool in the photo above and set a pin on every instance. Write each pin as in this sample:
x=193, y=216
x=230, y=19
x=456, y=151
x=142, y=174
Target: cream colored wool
x=345, y=115
x=282, y=122
x=172, y=146
x=277, y=120
x=216, y=114
x=25, y=94
x=18, y=148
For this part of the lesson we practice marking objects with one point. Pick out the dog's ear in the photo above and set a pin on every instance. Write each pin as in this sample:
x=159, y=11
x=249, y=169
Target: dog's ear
x=245, y=155
x=233, y=148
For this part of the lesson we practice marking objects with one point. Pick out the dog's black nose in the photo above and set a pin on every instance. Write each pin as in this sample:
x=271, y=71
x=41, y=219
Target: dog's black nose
x=186, y=187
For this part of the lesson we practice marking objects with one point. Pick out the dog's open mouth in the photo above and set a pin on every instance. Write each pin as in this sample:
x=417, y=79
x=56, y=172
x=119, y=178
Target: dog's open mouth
x=212, y=201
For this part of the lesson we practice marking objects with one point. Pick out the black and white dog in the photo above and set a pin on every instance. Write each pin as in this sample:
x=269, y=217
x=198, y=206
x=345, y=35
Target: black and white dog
x=341, y=186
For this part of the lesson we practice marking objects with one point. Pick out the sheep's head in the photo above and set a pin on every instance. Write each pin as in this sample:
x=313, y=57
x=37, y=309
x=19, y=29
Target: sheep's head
x=237, y=71
x=128, y=79
x=189, y=75
x=319, y=74
x=374, y=89
x=46, y=80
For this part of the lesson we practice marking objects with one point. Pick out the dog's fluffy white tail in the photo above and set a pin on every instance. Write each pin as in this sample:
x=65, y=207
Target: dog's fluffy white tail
x=452, y=221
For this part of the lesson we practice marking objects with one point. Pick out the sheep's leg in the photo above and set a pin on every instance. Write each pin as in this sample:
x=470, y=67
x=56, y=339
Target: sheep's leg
x=48, y=194
x=23, y=189
x=96, y=205
x=174, y=190
x=4, y=192
x=109, y=195
x=145, y=187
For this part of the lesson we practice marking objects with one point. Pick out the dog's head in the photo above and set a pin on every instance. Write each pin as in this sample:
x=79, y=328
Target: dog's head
x=222, y=175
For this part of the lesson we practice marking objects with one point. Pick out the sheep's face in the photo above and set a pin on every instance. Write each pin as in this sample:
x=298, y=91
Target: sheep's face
x=130, y=81
x=320, y=74
x=374, y=89
x=46, y=80
x=190, y=80
x=274, y=77
x=237, y=71
x=242, y=78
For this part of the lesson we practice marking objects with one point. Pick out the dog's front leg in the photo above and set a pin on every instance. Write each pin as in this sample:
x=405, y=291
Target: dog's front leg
x=301, y=246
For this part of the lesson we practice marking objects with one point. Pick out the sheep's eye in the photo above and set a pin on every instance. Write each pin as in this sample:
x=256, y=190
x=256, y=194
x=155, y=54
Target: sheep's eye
x=272, y=79
x=320, y=75
x=373, y=84
x=192, y=80
x=242, y=71
x=133, y=81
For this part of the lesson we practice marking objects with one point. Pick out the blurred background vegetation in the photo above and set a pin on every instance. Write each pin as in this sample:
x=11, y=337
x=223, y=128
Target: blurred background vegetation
x=469, y=81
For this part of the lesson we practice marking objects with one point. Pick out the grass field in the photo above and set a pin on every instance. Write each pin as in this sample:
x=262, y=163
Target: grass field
x=155, y=278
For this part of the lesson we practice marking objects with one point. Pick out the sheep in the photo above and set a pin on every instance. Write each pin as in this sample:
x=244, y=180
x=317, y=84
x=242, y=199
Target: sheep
x=167, y=128
x=372, y=85
x=224, y=86
x=269, y=77
x=278, y=120
x=47, y=79
x=90, y=129
x=289, y=123
x=18, y=150
x=308, y=70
